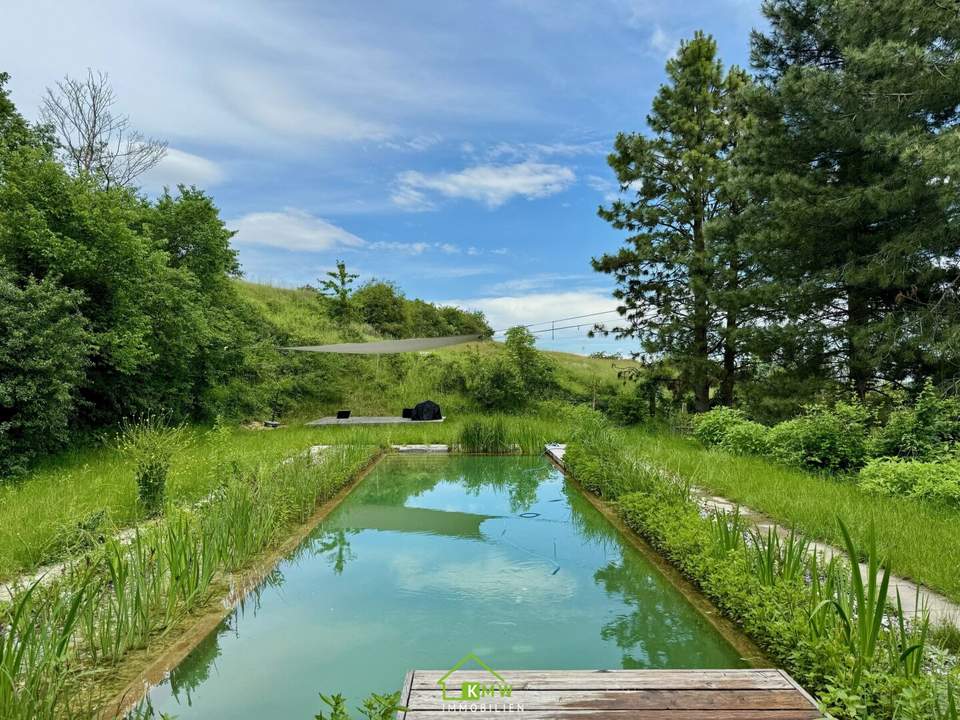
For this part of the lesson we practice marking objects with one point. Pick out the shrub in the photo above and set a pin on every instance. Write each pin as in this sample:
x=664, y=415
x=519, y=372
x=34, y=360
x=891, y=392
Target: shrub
x=150, y=442
x=711, y=427
x=934, y=481
x=495, y=383
x=924, y=431
x=629, y=408
x=44, y=349
x=536, y=370
x=746, y=438
x=824, y=438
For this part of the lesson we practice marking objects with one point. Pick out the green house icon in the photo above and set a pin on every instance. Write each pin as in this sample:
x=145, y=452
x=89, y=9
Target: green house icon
x=473, y=691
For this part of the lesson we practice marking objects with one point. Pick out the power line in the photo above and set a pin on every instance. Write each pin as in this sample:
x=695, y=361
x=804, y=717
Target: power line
x=563, y=319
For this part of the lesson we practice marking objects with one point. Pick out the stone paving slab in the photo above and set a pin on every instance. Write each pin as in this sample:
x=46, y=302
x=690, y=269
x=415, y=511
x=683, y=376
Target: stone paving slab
x=433, y=448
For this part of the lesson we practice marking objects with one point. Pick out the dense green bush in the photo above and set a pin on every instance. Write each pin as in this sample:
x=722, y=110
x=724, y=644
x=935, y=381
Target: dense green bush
x=44, y=350
x=494, y=382
x=711, y=427
x=823, y=438
x=933, y=481
x=924, y=431
x=629, y=408
x=746, y=438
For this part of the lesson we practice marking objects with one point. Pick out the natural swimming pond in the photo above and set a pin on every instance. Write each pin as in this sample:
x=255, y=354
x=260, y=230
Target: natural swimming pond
x=428, y=559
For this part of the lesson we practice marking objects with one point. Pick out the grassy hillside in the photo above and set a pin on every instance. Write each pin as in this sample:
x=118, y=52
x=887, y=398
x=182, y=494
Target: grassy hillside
x=384, y=385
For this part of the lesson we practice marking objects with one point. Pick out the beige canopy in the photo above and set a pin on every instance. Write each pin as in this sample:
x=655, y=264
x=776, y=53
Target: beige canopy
x=386, y=347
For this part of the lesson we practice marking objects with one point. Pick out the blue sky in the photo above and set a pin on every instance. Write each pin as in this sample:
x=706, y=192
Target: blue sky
x=455, y=148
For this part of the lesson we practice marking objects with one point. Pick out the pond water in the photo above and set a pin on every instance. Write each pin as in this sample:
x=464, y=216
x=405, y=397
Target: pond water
x=428, y=559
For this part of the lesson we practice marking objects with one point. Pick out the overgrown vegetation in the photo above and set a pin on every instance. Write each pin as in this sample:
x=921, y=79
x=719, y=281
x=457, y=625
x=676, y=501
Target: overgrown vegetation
x=831, y=629
x=62, y=639
x=910, y=454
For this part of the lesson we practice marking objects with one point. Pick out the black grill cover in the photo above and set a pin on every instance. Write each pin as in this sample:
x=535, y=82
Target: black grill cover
x=427, y=410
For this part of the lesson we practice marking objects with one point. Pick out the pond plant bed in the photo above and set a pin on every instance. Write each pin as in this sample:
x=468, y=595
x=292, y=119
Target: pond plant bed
x=431, y=557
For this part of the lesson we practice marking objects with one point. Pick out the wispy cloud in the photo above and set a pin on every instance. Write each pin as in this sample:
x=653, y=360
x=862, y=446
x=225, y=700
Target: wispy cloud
x=509, y=310
x=415, y=248
x=492, y=185
x=291, y=229
x=660, y=44
x=538, y=281
x=541, y=151
x=178, y=167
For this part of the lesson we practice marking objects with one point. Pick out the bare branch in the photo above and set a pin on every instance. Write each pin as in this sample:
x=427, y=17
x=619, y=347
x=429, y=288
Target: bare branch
x=92, y=139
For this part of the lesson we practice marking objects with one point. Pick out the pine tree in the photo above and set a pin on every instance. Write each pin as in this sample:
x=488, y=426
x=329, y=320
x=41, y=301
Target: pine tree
x=852, y=169
x=674, y=273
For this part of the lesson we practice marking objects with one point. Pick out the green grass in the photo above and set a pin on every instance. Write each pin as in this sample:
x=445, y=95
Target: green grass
x=38, y=515
x=921, y=541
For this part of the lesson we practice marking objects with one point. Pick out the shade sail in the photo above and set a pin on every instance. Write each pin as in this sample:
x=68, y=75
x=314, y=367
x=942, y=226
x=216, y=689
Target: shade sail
x=389, y=346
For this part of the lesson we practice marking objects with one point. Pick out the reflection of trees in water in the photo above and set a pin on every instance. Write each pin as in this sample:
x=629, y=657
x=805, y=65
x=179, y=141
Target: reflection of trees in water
x=589, y=523
x=397, y=480
x=519, y=477
x=334, y=545
x=195, y=669
x=651, y=635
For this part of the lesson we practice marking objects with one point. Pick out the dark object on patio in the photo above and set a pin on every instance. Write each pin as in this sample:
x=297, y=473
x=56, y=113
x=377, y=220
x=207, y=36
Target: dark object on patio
x=271, y=424
x=407, y=412
x=343, y=414
x=427, y=410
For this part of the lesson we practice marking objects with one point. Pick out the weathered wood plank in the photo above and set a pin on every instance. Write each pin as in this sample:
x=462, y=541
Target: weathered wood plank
x=405, y=694
x=738, y=694
x=615, y=679
x=808, y=714
x=630, y=700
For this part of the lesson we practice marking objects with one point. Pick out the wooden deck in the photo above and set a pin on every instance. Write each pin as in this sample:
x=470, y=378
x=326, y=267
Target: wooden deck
x=369, y=420
x=762, y=694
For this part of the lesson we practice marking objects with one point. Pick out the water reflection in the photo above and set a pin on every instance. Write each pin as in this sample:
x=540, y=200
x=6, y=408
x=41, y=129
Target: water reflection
x=429, y=558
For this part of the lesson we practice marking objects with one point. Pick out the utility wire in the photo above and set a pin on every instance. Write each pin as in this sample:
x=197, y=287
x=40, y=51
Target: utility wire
x=564, y=319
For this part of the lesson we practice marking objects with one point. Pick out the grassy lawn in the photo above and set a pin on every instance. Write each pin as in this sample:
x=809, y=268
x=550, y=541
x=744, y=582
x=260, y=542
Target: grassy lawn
x=38, y=513
x=921, y=541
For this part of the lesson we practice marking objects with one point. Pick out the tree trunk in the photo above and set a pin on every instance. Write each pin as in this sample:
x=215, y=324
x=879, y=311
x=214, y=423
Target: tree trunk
x=727, y=382
x=858, y=362
x=701, y=319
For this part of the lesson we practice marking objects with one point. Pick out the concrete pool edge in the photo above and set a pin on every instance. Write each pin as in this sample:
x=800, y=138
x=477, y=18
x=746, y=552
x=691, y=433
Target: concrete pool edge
x=159, y=663
x=748, y=650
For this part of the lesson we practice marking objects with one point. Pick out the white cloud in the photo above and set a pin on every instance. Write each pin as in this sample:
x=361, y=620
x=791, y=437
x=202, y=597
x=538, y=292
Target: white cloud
x=492, y=185
x=416, y=248
x=178, y=167
x=662, y=45
x=291, y=229
x=539, y=281
x=538, y=151
x=510, y=310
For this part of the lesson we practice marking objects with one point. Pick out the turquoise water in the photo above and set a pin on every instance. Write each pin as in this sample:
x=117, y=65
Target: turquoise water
x=430, y=558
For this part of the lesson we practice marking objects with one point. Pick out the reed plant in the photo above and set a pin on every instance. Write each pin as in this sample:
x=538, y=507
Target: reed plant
x=828, y=622
x=57, y=638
